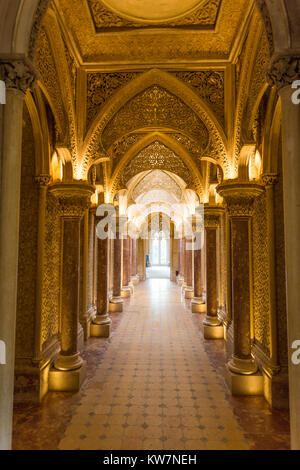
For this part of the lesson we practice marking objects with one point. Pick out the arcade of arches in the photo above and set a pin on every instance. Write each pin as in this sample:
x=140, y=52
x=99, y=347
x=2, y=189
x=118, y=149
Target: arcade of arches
x=157, y=115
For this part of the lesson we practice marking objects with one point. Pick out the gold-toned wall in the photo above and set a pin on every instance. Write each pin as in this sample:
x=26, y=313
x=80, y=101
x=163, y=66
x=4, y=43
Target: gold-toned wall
x=27, y=246
x=261, y=304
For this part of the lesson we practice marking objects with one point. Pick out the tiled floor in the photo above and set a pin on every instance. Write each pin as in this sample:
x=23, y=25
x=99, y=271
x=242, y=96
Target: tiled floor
x=159, y=385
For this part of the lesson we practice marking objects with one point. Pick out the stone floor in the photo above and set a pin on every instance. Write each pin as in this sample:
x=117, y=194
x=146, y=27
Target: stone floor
x=155, y=384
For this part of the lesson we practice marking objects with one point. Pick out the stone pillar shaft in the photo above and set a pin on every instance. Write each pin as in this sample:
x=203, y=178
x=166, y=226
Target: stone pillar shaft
x=240, y=268
x=42, y=181
x=70, y=287
x=18, y=75
x=116, y=302
x=188, y=268
x=213, y=328
x=101, y=323
x=239, y=199
x=211, y=272
x=126, y=262
x=284, y=70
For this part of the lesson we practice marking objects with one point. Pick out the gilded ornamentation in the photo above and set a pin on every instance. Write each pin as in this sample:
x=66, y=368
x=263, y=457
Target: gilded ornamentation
x=262, y=6
x=26, y=297
x=120, y=148
x=106, y=20
x=239, y=197
x=157, y=180
x=51, y=272
x=261, y=275
x=209, y=85
x=185, y=43
x=43, y=180
x=156, y=156
x=269, y=179
x=284, y=71
x=45, y=64
x=258, y=77
x=100, y=86
x=40, y=12
x=211, y=221
x=73, y=199
x=155, y=107
x=18, y=74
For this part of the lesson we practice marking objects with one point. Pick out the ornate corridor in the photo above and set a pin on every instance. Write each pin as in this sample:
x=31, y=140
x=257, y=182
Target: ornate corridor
x=150, y=226
x=158, y=386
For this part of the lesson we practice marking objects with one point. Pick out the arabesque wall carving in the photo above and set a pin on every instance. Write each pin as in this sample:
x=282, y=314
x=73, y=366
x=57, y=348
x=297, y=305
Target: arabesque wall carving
x=156, y=156
x=261, y=304
x=51, y=280
x=100, y=86
x=27, y=246
x=210, y=86
x=155, y=107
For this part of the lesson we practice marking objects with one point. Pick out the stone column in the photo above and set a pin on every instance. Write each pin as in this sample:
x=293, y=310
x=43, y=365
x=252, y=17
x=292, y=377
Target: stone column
x=213, y=328
x=73, y=199
x=43, y=182
x=239, y=197
x=283, y=72
x=18, y=76
x=141, y=259
x=116, y=301
x=188, y=289
x=84, y=316
x=100, y=326
x=134, y=276
x=269, y=181
x=198, y=304
x=126, y=291
x=181, y=262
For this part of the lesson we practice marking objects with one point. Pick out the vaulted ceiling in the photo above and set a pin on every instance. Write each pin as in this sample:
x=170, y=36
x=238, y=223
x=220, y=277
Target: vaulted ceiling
x=170, y=30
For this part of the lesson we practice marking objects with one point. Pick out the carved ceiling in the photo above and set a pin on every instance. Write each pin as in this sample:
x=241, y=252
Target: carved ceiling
x=157, y=180
x=155, y=108
x=101, y=33
x=108, y=16
x=156, y=156
x=157, y=196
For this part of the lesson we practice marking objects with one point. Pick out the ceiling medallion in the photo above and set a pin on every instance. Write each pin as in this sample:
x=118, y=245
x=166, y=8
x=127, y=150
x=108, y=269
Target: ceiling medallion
x=152, y=11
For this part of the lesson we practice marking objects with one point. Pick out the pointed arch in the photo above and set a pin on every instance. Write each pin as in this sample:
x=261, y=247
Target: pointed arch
x=168, y=142
x=171, y=84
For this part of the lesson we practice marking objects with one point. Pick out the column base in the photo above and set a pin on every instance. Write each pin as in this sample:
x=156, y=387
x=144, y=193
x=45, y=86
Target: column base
x=100, y=328
x=212, y=328
x=188, y=292
x=242, y=366
x=67, y=380
x=198, y=306
x=116, y=304
x=125, y=292
x=244, y=385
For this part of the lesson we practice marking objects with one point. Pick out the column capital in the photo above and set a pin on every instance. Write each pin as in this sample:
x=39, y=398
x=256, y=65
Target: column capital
x=18, y=73
x=284, y=70
x=269, y=179
x=239, y=197
x=73, y=198
x=43, y=180
x=212, y=216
